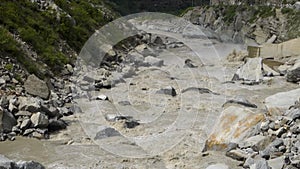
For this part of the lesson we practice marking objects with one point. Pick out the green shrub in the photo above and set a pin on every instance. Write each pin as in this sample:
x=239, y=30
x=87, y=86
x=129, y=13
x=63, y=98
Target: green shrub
x=9, y=67
x=230, y=12
x=286, y=10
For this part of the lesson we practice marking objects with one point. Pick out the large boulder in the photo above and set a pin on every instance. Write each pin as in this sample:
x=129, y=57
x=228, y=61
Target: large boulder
x=293, y=75
x=257, y=142
x=232, y=126
x=36, y=87
x=7, y=121
x=29, y=165
x=297, y=5
x=29, y=104
x=250, y=71
x=279, y=103
x=153, y=61
x=6, y=163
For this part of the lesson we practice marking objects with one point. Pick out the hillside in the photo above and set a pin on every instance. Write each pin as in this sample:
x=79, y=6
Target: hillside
x=51, y=32
x=126, y=7
x=242, y=23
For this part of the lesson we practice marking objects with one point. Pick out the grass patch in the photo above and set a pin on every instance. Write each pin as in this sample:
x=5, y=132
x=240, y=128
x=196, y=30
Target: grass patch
x=9, y=67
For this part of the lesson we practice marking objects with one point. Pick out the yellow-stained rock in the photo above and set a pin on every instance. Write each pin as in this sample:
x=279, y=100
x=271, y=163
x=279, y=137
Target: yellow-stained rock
x=232, y=127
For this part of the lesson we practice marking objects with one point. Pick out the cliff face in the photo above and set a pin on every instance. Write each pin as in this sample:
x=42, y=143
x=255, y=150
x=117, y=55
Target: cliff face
x=238, y=23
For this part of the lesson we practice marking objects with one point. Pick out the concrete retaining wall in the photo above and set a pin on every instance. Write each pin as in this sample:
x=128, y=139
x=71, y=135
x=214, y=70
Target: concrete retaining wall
x=288, y=48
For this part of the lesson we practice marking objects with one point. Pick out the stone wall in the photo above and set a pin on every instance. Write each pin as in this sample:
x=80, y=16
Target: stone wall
x=288, y=48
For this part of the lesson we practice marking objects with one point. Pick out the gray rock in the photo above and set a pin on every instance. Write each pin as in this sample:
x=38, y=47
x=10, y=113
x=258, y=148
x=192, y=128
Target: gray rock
x=39, y=120
x=55, y=125
x=136, y=58
x=124, y=103
x=240, y=101
x=111, y=117
x=25, y=124
x=257, y=142
x=250, y=71
x=29, y=165
x=293, y=114
x=107, y=132
x=6, y=163
x=28, y=131
x=218, y=166
x=8, y=121
x=248, y=162
x=156, y=40
x=279, y=103
x=50, y=111
x=12, y=108
x=152, y=61
x=102, y=97
x=264, y=125
x=295, y=160
x=199, y=90
x=276, y=163
x=169, y=90
x=231, y=146
x=260, y=164
x=269, y=152
x=280, y=131
x=145, y=50
x=36, y=87
x=293, y=75
x=277, y=142
x=37, y=135
x=131, y=123
x=189, y=63
x=128, y=71
x=237, y=154
x=23, y=113
x=69, y=68
x=4, y=101
x=29, y=104
x=297, y=5
x=2, y=81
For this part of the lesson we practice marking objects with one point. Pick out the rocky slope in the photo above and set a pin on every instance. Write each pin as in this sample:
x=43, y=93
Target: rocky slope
x=240, y=23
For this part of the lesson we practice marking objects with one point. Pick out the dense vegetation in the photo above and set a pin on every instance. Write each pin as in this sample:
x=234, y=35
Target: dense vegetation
x=176, y=7
x=45, y=30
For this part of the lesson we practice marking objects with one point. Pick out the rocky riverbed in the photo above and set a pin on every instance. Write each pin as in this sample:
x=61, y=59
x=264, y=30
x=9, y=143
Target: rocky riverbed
x=167, y=97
